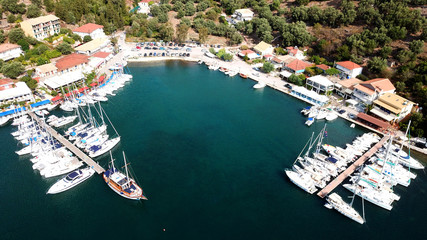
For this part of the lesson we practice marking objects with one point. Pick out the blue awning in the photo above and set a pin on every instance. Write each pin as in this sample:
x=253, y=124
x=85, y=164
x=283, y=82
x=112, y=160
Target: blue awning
x=40, y=103
x=331, y=159
x=16, y=110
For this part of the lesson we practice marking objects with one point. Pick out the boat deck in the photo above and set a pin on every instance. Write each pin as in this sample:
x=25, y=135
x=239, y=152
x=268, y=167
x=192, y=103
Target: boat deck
x=94, y=165
x=338, y=180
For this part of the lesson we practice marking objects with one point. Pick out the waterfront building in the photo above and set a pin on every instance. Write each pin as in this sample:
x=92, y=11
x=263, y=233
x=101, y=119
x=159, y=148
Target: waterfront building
x=93, y=46
x=348, y=69
x=11, y=91
x=392, y=107
x=10, y=51
x=297, y=66
x=95, y=31
x=345, y=87
x=277, y=63
x=72, y=62
x=249, y=53
x=46, y=70
x=320, y=83
x=244, y=14
x=373, y=122
x=264, y=48
x=41, y=27
x=368, y=91
x=309, y=96
x=58, y=81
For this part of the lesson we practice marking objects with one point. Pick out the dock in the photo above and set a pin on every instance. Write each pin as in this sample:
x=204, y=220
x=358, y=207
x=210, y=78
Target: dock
x=338, y=180
x=94, y=165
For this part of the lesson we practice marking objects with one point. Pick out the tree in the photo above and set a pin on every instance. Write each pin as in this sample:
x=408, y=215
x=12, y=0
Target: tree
x=400, y=86
x=64, y=48
x=190, y=10
x=227, y=57
x=166, y=32
x=416, y=46
x=405, y=56
x=302, y=2
x=385, y=51
x=12, y=69
x=38, y=3
x=267, y=67
x=33, y=11
x=2, y=36
x=87, y=38
x=203, y=34
x=295, y=80
x=49, y=5
x=332, y=71
x=76, y=37
x=11, y=18
x=24, y=44
x=377, y=64
x=42, y=60
x=236, y=38
x=181, y=32
x=16, y=34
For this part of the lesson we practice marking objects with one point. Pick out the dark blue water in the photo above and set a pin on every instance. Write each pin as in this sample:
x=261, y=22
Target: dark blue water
x=209, y=151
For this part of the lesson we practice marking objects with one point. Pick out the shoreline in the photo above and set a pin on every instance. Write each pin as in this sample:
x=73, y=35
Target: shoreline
x=272, y=82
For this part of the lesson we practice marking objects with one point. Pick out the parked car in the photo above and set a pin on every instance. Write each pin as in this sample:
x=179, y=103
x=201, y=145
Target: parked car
x=151, y=54
x=145, y=54
x=288, y=85
x=163, y=54
x=342, y=111
x=155, y=48
x=154, y=54
x=351, y=115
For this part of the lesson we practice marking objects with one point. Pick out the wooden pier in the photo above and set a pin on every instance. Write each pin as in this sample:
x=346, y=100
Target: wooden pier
x=94, y=165
x=338, y=180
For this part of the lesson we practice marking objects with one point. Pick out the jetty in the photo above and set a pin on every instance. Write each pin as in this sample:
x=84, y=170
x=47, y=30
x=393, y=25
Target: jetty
x=94, y=165
x=359, y=162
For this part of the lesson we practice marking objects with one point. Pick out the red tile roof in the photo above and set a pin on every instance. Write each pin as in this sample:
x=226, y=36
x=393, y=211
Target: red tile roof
x=71, y=60
x=298, y=65
x=374, y=121
x=380, y=84
x=5, y=81
x=268, y=56
x=246, y=52
x=146, y=1
x=101, y=54
x=277, y=60
x=323, y=66
x=348, y=65
x=88, y=28
x=8, y=46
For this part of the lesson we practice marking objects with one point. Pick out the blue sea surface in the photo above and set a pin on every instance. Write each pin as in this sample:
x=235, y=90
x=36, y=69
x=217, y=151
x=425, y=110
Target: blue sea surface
x=209, y=152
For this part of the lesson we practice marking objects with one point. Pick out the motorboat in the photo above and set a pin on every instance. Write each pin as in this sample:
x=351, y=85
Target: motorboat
x=301, y=180
x=71, y=180
x=309, y=121
x=98, y=150
x=331, y=116
x=259, y=85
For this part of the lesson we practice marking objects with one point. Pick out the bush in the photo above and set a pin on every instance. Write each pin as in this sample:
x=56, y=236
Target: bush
x=11, y=18
x=64, y=48
x=267, y=67
x=33, y=11
x=16, y=34
x=53, y=54
x=12, y=69
x=24, y=44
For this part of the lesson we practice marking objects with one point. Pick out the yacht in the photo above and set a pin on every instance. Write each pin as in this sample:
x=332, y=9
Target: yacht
x=309, y=121
x=331, y=116
x=71, y=180
x=335, y=201
x=122, y=183
x=371, y=195
x=61, y=167
x=301, y=180
x=98, y=150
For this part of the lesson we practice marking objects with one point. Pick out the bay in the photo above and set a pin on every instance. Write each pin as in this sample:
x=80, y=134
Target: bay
x=209, y=151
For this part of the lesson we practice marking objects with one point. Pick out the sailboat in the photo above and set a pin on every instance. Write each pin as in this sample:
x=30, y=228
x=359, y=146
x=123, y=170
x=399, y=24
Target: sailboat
x=121, y=183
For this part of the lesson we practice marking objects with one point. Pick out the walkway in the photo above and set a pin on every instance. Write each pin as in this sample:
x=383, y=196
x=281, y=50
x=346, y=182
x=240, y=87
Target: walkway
x=337, y=181
x=70, y=146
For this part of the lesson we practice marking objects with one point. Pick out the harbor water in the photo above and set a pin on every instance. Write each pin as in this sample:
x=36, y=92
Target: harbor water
x=209, y=152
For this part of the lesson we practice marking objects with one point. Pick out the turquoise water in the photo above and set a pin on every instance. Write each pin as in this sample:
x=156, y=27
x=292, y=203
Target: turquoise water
x=209, y=151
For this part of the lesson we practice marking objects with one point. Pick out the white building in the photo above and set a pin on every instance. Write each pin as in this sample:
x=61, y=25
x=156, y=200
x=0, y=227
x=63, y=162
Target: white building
x=10, y=51
x=46, y=70
x=93, y=46
x=295, y=52
x=320, y=83
x=244, y=14
x=41, y=27
x=14, y=92
x=249, y=53
x=95, y=31
x=144, y=6
x=56, y=82
x=368, y=91
x=392, y=107
x=349, y=69
x=309, y=96
x=264, y=48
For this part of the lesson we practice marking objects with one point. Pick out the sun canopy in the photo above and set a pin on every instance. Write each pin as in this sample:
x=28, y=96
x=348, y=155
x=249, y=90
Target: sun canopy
x=12, y=111
x=373, y=120
x=56, y=98
x=100, y=79
x=40, y=103
x=83, y=89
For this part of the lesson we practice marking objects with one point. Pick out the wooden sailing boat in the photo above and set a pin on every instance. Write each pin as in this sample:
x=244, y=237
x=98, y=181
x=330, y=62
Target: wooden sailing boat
x=121, y=183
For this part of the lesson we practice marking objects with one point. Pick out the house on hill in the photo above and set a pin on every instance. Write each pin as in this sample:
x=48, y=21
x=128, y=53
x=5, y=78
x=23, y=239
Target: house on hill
x=368, y=91
x=144, y=6
x=349, y=69
x=249, y=53
x=295, y=52
x=264, y=48
x=10, y=51
x=41, y=27
x=93, y=46
x=244, y=14
x=95, y=31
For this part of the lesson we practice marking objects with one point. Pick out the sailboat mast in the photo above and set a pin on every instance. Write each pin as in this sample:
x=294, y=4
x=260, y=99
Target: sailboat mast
x=126, y=168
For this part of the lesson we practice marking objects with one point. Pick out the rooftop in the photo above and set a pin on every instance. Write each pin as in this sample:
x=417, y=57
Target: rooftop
x=392, y=102
x=20, y=89
x=88, y=28
x=244, y=11
x=42, y=19
x=8, y=46
x=348, y=65
x=92, y=45
x=350, y=83
x=246, y=52
x=375, y=85
x=322, y=80
x=262, y=46
x=323, y=67
x=71, y=60
x=298, y=65
x=47, y=67
x=373, y=120
x=101, y=54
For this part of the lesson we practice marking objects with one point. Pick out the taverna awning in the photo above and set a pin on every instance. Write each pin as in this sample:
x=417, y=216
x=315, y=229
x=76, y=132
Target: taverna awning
x=373, y=120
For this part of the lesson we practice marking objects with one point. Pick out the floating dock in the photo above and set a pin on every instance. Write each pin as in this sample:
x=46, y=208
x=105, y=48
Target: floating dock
x=338, y=180
x=94, y=165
